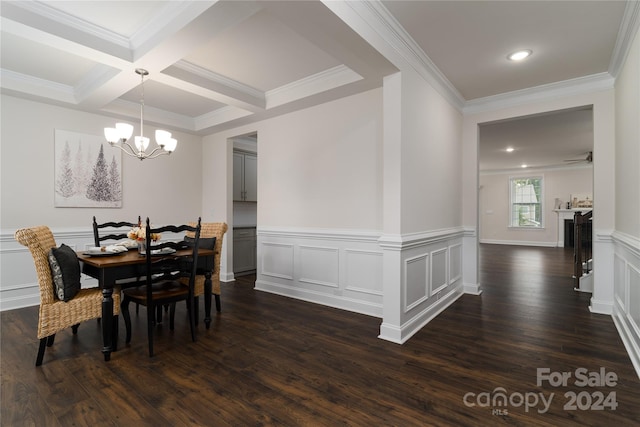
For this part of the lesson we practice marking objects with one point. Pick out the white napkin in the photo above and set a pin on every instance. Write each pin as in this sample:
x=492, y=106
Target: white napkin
x=115, y=249
x=128, y=244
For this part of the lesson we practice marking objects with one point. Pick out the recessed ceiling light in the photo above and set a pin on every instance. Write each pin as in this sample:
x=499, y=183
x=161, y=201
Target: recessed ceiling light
x=509, y=149
x=519, y=55
x=523, y=166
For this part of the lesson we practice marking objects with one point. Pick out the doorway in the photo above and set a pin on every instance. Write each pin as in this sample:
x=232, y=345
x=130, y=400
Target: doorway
x=245, y=203
x=531, y=171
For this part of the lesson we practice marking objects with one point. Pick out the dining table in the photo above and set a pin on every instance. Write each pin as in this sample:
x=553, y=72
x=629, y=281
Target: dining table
x=109, y=268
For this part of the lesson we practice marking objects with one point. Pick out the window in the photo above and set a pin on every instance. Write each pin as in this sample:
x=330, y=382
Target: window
x=526, y=202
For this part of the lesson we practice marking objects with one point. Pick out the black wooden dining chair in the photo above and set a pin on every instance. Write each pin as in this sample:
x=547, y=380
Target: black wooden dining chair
x=164, y=272
x=115, y=232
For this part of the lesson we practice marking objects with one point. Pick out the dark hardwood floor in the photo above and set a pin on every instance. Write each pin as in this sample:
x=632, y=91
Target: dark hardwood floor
x=270, y=360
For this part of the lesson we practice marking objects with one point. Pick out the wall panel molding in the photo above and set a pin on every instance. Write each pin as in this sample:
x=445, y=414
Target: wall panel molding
x=427, y=282
x=338, y=268
x=626, y=299
x=415, y=286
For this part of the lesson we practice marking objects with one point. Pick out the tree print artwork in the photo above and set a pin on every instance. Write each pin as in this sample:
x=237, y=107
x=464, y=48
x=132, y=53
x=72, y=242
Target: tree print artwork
x=84, y=178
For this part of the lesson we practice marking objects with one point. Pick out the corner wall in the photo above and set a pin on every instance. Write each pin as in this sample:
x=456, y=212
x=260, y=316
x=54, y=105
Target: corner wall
x=626, y=237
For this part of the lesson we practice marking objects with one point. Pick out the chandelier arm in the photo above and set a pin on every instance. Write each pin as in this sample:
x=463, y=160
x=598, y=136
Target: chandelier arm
x=142, y=155
x=127, y=149
x=157, y=152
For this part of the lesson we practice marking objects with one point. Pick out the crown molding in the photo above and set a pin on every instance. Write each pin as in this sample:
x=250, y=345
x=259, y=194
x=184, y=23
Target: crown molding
x=373, y=21
x=311, y=85
x=37, y=87
x=219, y=79
x=577, y=86
x=386, y=25
x=219, y=116
x=45, y=10
x=628, y=30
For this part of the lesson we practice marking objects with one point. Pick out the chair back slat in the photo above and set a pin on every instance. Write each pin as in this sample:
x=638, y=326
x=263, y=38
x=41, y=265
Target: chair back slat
x=166, y=267
x=114, y=234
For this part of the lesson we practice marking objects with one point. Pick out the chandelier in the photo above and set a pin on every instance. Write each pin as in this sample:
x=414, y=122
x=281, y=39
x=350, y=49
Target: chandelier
x=120, y=135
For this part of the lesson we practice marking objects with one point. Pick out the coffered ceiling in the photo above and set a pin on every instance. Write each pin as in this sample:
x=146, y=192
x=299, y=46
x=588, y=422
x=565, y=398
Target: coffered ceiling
x=219, y=64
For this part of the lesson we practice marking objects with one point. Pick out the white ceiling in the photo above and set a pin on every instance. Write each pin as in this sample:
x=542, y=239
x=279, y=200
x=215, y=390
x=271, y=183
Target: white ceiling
x=546, y=140
x=216, y=65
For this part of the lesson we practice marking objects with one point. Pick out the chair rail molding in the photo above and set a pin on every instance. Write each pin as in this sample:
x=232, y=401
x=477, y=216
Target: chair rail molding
x=19, y=287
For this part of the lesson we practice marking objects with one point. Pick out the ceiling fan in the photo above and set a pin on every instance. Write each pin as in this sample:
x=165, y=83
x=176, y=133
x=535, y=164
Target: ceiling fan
x=588, y=159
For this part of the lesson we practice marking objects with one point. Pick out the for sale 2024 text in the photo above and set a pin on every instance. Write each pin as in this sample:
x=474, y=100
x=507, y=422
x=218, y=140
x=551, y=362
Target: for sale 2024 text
x=582, y=377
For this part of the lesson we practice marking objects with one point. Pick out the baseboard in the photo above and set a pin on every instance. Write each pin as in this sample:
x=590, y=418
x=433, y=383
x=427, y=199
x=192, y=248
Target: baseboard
x=335, y=301
x=519, y=243
x=601, y=307
x=13, y=303
x=227, y=277
x=472, y=288
x=406, y=331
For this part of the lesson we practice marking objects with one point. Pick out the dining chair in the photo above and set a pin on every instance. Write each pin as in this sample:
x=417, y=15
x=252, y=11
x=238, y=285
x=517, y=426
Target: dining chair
x=163, y=274
x=55, y=314
x=117, y=234
x=210, y=230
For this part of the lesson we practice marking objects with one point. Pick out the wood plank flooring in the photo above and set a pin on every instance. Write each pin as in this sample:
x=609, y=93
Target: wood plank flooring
x=269, y=360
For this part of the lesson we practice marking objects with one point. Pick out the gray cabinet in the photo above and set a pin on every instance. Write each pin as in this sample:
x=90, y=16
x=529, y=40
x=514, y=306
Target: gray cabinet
x=245, y=177
x=244, y=250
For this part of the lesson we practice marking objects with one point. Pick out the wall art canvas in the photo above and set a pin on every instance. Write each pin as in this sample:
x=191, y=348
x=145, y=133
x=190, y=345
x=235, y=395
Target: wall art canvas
x=88, y=171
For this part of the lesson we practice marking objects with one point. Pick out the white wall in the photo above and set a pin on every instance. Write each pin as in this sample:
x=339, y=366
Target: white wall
x=321, y=167
x=431, y=133
x=319, y=201
x=626, y=312
x=494, y=205
x=168, y=189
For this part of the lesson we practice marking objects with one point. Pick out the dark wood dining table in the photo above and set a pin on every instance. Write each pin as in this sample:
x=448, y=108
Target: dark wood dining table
x=111, y=268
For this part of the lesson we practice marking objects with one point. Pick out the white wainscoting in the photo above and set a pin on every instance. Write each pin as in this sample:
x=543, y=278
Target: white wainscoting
x=337, y=268
x=429, y=279
x=18, y=280
x=626, y=305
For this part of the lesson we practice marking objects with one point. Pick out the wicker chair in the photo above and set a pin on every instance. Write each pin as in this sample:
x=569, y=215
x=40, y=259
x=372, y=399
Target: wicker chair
x=56, y=315
x=217, y=230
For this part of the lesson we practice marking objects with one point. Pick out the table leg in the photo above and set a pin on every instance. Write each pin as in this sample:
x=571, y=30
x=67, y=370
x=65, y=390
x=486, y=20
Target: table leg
x=207, y=299
x=107, y=322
